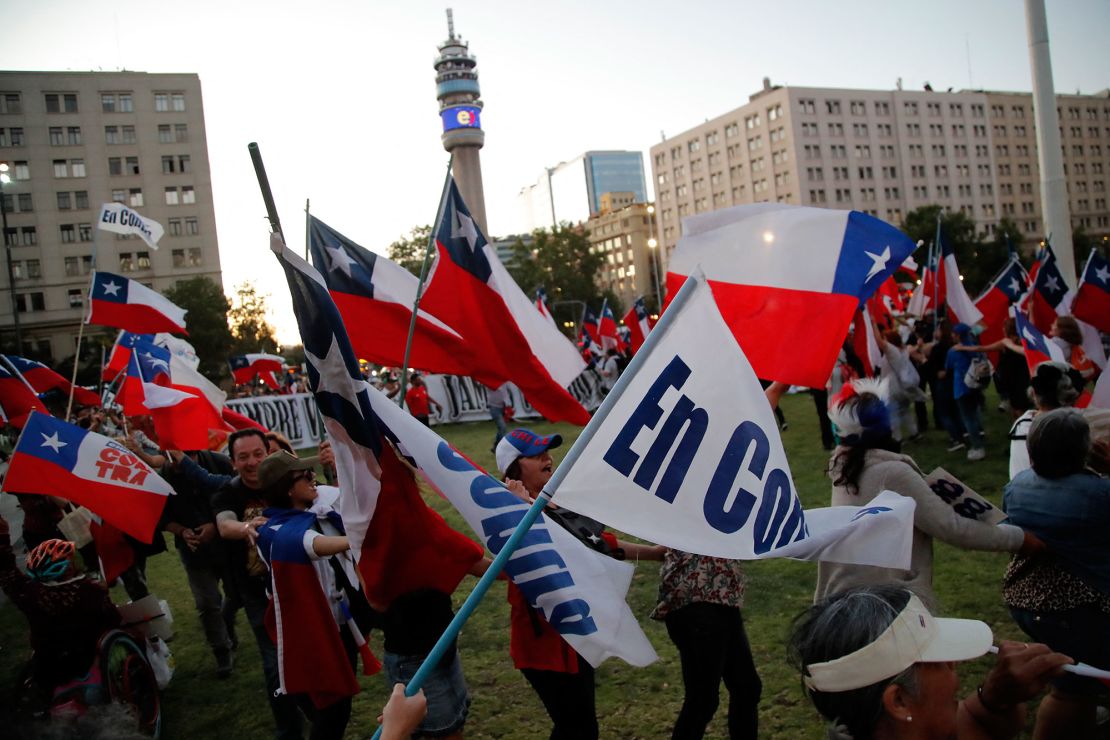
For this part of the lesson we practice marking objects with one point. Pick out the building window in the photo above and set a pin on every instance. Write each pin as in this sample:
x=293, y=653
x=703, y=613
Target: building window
x=142, y=260
x=61, y=168
x=132, y=164
x=73, y=135
x=72, y=267
x=84, y=232
x=171, y=196
x=61, y=103
x=81, y=200
x=178, y=255
x=174, y=227
x=76, y=296
x=183, y=164
x=161, y=102
x=135, y=197
x=30, y=238
x=127, y=133
x=10, y=103
x=195, y=258
x=11, y=238
x=191, y=227
x=909, y=108
x=833, y=107
x=167, y=165
x=115, y=165
x=15, y=137
x=178, y=101
x=808, y=105
x=30, y=302
x=57, y=136
x=77, y=167
x=63, y=201
x=180, y=133
x=165, y=134
x=111, y=135
x=69, y=233
x=126, y=262
x=108, y=102
x=26, y=205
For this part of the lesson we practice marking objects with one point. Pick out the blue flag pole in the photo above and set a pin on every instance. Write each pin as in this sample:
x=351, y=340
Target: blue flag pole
x=452, y=631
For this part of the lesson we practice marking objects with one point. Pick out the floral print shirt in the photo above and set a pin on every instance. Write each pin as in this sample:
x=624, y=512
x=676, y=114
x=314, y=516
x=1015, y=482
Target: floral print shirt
x=686, y=578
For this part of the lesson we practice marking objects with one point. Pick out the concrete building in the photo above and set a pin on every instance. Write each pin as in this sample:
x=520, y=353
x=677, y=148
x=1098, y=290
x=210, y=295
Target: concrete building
x=75, y=140
x=885, y=153
x=571, y=191
x=460, y=111
x=621, y=231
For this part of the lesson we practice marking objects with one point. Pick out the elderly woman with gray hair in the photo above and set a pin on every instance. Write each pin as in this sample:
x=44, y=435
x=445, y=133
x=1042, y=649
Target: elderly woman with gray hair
x=1062, y=597
x=877, y=664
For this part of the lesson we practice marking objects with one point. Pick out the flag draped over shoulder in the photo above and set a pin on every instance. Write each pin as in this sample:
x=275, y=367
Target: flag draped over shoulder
x=375, y=297
x=54, y=458
x=470, y=290
x=1092, y=298
x=43, y=379
x=311, y=656
x=400, y=544
x=689, y=456
x=579, y=592
x=994, y=303
x=126, y=304
x=788, y=279
x=1038, y=347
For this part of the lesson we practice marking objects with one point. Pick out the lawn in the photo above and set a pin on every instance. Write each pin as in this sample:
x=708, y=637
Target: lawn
x=631, y=702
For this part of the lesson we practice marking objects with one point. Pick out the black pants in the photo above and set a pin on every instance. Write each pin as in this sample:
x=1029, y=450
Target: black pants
x=713, y=646
x=569, y=700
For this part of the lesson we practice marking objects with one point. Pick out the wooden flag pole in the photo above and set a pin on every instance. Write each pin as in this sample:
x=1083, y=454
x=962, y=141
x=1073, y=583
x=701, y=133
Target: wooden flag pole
x=423, y=277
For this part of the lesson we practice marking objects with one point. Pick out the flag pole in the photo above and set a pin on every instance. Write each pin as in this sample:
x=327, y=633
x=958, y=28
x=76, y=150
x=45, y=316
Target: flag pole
x=936, y=278
x=423, y=276
x=307, y=242
x=264, y=186
x=451, y=632
x=80, y=334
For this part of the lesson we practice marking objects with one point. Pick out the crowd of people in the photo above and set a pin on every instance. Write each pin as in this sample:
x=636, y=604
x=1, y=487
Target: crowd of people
x=872, y=656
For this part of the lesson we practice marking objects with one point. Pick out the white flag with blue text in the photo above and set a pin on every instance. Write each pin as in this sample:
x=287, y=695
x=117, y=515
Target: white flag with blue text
x=689, y=456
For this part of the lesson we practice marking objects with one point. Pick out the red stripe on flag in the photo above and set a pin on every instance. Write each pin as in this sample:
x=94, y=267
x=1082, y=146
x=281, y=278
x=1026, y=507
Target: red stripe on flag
x=133, y=317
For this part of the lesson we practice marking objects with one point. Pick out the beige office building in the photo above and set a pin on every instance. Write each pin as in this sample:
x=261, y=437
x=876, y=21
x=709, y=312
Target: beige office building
x=621, y=232
x=885, y=153
x=75, y=140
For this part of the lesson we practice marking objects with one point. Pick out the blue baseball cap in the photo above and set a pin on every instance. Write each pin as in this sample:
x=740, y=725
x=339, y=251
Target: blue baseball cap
x=523, y=443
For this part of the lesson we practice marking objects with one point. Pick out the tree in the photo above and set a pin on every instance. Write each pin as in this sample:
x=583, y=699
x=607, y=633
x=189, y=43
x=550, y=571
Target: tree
x=250, y=332
x=207, y=322
x=561, y=262
x=408, y=251
x=978, y=261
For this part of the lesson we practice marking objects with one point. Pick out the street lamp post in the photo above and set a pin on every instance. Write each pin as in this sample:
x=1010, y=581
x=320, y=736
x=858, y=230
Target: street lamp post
x=5, y=178
x=653, y=245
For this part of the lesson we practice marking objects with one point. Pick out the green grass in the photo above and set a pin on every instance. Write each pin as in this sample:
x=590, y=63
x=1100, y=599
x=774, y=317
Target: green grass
x=631, y=702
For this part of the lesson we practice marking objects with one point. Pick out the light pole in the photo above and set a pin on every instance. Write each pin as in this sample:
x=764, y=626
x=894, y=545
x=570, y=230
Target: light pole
x=5, y=178
x=653, y=245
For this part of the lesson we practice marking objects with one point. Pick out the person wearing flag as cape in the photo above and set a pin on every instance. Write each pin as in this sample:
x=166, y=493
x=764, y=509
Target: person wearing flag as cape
x=561, y=677
x=301, y=529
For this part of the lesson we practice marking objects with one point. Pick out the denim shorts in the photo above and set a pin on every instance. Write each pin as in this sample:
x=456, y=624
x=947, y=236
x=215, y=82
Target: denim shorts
x=445, y=690
x=1082, y=633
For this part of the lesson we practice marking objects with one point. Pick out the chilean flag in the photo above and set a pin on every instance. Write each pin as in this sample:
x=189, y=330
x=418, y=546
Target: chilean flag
x=1038, y=348
x=994, y=303
x=952, y=288
x=638, y=323
x=864, y=343
x=541, y=305
x=112, y=549
x=1092, y=299
x=311, y=656
x=607, y=329
x=922, y=295
x=17, y=397
x=1047, y=292
x=238, y=421
x=148, y=365
x=399, y=542
x=375, y=298
x=782, y=273
x=54, y=458
x=43, y=379
x=121, y=353
x=470, y=290
x=589, y=339
x=126, y=304
x=244, y=368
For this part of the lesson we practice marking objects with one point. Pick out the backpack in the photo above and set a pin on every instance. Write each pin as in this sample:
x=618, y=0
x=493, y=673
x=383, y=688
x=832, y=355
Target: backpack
x=978, y=375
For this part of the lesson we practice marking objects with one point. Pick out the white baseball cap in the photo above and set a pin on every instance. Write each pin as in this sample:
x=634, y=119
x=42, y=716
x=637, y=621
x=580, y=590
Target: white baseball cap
x=915, y=636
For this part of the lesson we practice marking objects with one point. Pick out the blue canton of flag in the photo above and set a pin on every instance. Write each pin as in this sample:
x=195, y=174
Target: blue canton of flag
x=345, y=265
x=1049, y=281
x=863, y=265
x=461, y=238
x=149, y=361
x=641, y=310
x=109, y=287
x=52, y=440
x=1014, y=281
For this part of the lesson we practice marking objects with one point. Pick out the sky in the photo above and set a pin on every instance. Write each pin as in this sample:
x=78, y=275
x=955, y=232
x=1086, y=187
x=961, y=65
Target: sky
x=340, y=96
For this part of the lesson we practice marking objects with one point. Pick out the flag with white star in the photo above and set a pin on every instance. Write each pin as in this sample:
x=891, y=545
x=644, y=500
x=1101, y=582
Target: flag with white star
x=1092, y=298
x=780, y=271
x=472, y=292
x=17, y=397
x=1006, y=289
x=1048, y=290
x=1038, y=347
x=245, y=368
x=375, y=297
x=53, y=458
x=127, y=304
